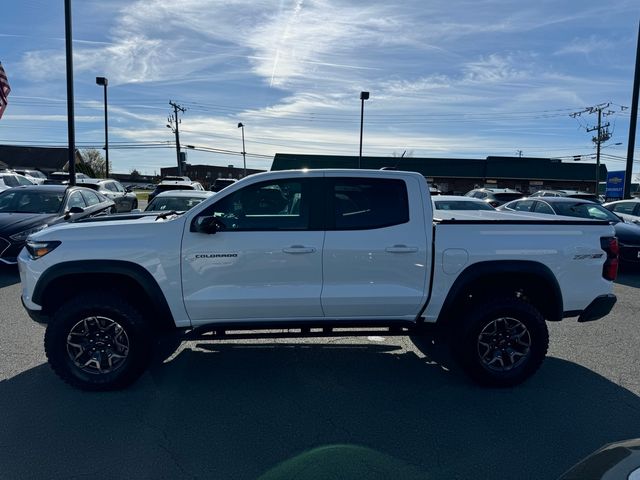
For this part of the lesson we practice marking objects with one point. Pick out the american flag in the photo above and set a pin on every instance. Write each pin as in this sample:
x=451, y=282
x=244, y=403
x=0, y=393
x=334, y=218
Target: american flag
x=4, y=90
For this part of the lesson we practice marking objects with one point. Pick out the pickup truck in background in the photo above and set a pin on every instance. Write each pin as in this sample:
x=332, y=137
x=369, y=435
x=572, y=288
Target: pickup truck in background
x=303, y=253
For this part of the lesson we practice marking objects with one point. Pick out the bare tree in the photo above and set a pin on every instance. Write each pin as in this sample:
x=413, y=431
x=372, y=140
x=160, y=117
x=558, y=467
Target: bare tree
x=94, y=159
x=135, y=175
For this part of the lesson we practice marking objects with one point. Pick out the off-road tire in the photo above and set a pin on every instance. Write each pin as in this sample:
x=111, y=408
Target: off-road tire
x=103, y=305
x=466, y=349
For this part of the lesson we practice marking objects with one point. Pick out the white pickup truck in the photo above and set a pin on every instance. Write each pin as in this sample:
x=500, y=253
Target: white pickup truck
x=305, y=253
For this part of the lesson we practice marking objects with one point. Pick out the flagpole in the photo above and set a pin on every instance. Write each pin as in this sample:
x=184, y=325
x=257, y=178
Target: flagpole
x=70, y=112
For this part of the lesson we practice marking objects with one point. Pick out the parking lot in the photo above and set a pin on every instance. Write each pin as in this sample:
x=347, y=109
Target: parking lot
x=352, y=408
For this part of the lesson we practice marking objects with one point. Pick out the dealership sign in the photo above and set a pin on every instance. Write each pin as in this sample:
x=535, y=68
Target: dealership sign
x=615, y=184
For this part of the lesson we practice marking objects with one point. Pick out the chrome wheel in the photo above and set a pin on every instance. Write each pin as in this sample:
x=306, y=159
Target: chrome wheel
x=97, y=345
x=503, y=344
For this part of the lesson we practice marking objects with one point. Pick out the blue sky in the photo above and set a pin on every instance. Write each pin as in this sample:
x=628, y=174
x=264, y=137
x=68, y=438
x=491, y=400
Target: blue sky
x=447, y=78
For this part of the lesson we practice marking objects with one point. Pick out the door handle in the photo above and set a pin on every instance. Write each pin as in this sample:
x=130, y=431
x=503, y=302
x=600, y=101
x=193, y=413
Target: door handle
x=401, y=249
x=298, y=249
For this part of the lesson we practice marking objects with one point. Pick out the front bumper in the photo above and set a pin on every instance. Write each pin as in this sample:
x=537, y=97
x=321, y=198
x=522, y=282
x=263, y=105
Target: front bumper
x=36, y=315
x=599, y=308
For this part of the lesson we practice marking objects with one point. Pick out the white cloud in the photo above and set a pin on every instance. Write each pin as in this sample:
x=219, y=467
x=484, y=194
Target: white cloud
x=585, y=46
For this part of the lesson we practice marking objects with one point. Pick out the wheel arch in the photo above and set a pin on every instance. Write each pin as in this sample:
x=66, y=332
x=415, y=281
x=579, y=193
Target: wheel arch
x=530, y=280
x=60, y=282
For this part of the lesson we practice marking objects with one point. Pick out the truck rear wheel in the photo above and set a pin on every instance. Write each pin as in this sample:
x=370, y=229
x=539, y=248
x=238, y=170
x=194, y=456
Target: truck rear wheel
x=500, y=343
x=98, y=342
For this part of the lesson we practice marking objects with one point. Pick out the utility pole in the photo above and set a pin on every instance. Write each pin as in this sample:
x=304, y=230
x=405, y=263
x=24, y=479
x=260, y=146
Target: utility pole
x=598, y=139
x=632, y=123
x=174, y=121
x=602, y=130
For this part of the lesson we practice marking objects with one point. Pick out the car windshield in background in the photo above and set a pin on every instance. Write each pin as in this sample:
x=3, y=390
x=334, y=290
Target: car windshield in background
x=507, y=197
x=173, y=203
x=92, y=186
x=10, y=180
x=461, y=205
x=166, y=188
x=585, y=196
x=585, y=210
x=21, y=201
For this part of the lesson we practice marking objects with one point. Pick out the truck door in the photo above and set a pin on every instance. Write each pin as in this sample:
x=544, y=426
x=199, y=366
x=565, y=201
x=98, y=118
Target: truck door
x=375, y=251
x=265, y=259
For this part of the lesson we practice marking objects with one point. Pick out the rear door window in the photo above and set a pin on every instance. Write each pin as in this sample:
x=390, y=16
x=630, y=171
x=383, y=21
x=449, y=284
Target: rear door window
x=367, y=203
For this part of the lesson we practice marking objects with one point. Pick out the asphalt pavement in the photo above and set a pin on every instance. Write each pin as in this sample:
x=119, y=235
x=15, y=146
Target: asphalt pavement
x=344, y=408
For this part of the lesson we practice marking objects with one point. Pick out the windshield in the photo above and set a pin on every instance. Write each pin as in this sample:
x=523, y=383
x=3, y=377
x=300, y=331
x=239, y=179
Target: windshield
x=9, y=180
x=29, y=201
x=461, y=205
x=507, y=197
x=165, y=188
x=585, y=210
x=584, y=196
x=173, y=203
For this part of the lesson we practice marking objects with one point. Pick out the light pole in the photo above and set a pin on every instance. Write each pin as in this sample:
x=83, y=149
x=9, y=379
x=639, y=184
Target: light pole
x=363, y=96
x=71, y=128
x=244, y=153
x=104, y=82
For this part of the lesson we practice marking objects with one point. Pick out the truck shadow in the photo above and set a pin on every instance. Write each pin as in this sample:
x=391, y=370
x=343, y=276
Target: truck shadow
x=299, y=410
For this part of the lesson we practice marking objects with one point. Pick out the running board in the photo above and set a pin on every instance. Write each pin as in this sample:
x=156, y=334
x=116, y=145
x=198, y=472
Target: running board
x=341, y=329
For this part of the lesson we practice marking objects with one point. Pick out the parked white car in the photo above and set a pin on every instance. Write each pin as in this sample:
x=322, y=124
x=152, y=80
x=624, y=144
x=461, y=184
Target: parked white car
x=455, y=202
x=12, y=179
x=628, y=210
x=35, y=176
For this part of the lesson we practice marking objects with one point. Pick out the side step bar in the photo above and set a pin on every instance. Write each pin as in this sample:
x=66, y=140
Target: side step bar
x=259, y=331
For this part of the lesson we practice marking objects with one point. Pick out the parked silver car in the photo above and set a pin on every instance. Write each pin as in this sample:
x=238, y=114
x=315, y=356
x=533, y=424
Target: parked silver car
x=124, y=201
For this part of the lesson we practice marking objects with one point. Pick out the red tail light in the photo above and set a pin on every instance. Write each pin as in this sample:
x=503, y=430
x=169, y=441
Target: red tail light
x=611, y=247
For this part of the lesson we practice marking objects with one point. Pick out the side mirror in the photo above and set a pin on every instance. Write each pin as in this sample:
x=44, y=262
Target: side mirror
x=73, y=211
x=204, y=224
x=128, y=189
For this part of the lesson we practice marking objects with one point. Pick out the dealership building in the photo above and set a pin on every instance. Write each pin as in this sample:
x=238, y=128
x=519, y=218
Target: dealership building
x=459, y=175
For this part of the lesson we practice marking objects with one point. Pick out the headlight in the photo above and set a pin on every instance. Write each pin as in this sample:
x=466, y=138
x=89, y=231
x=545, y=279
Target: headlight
x=22, y=236
x=40, y=249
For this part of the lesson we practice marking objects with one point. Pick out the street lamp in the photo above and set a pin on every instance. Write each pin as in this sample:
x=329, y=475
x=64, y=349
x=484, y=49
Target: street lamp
x=363, y=96
x=244, y=153
x=104, y=82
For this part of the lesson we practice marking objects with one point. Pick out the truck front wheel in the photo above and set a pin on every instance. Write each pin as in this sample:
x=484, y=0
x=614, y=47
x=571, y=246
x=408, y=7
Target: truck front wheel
x=98, y=342
x=500, y=343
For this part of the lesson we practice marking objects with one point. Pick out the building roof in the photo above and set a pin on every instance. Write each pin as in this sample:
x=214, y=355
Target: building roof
x=492, y=167
x=37, y=158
